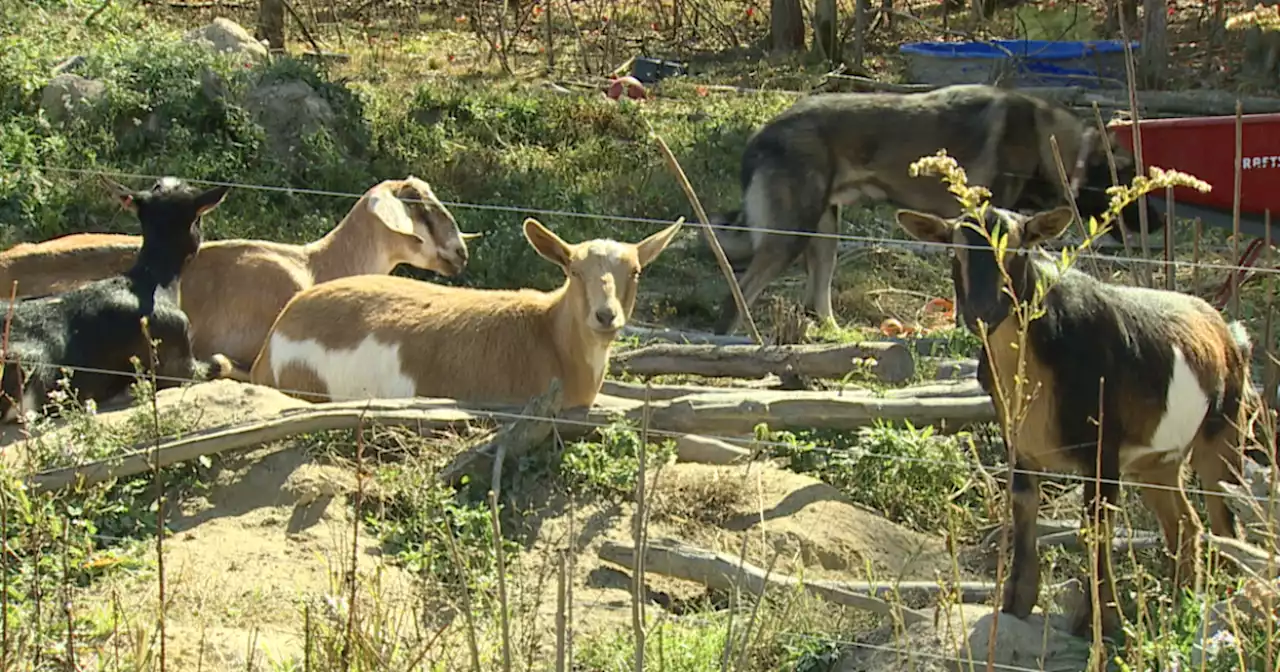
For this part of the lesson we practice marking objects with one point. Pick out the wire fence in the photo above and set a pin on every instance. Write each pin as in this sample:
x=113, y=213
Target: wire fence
x=754, y=445
x=880, y=240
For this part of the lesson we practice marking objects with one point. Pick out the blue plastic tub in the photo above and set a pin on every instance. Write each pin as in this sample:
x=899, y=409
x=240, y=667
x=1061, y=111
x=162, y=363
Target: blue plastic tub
x=1095, y=64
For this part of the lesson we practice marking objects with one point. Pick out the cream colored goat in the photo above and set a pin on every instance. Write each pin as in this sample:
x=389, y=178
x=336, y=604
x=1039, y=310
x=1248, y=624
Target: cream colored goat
x=233, y=289
x=388, y=337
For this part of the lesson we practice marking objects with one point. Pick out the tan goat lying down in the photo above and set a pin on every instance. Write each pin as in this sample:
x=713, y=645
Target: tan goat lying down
x=61, y=264
x=388, y=337
x=233, y=289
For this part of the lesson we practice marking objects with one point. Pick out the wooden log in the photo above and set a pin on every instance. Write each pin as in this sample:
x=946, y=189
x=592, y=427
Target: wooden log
x=719, y=571
x=511, y=442
x=682, y=337
x=927, y=346
x=736, y=413
x=731, y=413
x=433, y=414
x=956, y=369
x=1199, y=102
x=706, y=450
x=660, y=392
x=967, y=387
x=963, y=387
x=893, y=361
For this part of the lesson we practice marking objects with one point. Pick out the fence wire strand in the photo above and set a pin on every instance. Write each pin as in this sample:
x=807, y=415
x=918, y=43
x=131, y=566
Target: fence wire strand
x=481, y=412
x=719, y=225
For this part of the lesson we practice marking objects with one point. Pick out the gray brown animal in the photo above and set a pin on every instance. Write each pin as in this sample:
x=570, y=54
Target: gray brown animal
x=840, y=149
x=1116, y=381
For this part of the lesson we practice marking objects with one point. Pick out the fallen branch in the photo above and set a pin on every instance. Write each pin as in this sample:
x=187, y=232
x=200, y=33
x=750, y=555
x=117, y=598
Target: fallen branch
x=718, y=571
x=513, y=441
x=893, y=361
x=431, y=413
x=730, y=413
x=963, y=386
x=737, y=412
x=1242, y=553
x=710, y=236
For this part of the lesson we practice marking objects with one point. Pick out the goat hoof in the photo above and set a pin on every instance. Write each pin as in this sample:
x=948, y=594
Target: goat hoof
x=1014, y=605
x=1082, y=624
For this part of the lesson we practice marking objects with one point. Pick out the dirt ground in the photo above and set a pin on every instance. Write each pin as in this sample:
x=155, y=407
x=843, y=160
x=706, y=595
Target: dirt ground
x=273, y=533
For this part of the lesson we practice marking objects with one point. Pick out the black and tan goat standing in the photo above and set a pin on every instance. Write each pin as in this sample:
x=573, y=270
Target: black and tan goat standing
x=1117, y=381
x=384, y=336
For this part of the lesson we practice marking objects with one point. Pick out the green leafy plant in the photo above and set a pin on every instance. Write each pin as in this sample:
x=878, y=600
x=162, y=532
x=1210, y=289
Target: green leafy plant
x=607, y=468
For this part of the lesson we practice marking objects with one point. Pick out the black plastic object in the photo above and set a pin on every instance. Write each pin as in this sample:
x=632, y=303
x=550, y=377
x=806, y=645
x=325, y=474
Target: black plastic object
x=649, y=70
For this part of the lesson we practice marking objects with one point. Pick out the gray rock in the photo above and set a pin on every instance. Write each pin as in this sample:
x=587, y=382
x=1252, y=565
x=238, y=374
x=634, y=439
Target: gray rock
x=228, y=37
x=69, y=94
x=288, y=111
x=960, y=640
x=69, y=64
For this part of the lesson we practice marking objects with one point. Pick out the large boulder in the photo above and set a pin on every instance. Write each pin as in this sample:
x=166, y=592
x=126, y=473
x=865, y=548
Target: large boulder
x=289, y=110
x=67, y=95
x=225, y=36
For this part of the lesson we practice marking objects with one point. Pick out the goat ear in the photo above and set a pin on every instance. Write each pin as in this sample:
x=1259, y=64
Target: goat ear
x=391, y=211
x=1046, y=225
x=925, y=226
x=548, y=244
x=211, y=199
x=648, y=249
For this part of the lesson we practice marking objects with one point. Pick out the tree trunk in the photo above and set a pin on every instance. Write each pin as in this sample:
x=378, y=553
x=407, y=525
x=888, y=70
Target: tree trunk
x=826, y=31
x=271, y=24
x=1153, y=67
x=1112, y=24
x=860, y=10
x=786, y=26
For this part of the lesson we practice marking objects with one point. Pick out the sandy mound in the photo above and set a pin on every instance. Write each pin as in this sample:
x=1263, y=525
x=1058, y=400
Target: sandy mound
x=199, y=406
x=816, y=530
x=273, y=534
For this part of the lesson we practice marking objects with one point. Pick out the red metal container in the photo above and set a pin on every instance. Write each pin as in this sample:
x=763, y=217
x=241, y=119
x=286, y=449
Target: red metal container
x=1206, y=147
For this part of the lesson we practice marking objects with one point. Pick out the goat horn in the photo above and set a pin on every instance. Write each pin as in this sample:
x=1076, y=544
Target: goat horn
x=471, y=236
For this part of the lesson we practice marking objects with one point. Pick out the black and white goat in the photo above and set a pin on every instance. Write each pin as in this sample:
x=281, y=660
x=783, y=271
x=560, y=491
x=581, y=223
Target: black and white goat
x=1117, y=380
x=96, y=329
